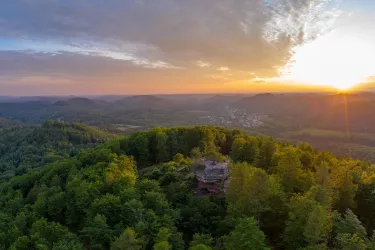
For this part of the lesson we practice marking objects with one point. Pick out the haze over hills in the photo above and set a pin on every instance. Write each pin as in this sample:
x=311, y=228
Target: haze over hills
x=81, y=102
x=337, y=122
x=144, y=102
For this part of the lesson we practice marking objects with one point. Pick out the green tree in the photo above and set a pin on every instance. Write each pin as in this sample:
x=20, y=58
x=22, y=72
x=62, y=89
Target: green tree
x=121, y=172
x=201, y=214
x=290, y=170
x=309, y=223
x=365, y=200
x=214, y=155
x=163, y=235
x=208, y=140
x=161, y=147
x=237, y=150
x=147, y=185
x=322, y=174
x=371, y=243
x=344, y=185
x=196, y=154
x=68, y=243
x=127, y=241
x=98, y=231
x=178, y=158
x=201, y=239
x=350, y=242
x=108, y=205
x=22, y=243
x=250, y=150
x=163, y=245
x=318, y=226
x=266, y=151
x=246, y=235
x=139, y=147
x=47, y=233
x=161, y=239
x=200, y=247
x=173, y=143
x=252, y=191
x=349, y=224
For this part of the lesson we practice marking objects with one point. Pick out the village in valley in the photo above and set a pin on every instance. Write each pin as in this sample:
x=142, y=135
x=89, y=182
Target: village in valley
x=236, y=117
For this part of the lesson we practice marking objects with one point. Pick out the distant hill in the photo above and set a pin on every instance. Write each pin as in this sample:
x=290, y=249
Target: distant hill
x=4, y=123
x=81, y=102
x=28, y=112
x=265, y=103
x=5, y=98
x=352, y=115
x=107, y=98
x=294, y=105
x=222, y=100
x=26, y=147
x=51, y=99
x=144, y=102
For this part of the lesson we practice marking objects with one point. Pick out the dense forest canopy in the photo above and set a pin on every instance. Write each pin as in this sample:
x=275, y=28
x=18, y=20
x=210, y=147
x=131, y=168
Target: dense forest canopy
x=26, y=147
x=137, y=192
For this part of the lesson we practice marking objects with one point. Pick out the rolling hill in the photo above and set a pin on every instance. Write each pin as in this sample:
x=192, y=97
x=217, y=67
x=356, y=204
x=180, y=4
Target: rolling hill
x=23, y=148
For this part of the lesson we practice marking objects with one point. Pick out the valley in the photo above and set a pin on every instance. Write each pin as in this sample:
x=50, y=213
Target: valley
x=324, y=120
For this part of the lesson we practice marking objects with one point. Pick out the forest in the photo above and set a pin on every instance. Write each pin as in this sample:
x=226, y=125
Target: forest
x=138, y=192
x=27, y=147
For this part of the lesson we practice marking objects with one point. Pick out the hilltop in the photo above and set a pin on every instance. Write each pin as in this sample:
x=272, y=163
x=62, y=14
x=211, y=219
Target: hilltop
x=24, y=148
x=139, y=192
x=144, y=102
x=81, y=102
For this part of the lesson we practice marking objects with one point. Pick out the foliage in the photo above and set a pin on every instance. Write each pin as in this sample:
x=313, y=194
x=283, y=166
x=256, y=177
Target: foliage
x=138, y=192
x=252, y=192
x=201, y=239
x=127, y=241
x=246, y=235
x=23, y=148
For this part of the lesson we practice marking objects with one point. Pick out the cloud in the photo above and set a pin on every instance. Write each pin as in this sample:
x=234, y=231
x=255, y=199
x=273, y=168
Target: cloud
x=223, y=69
x=301, y=21
x=71, y=73
x=167, y=35
x=203, y=64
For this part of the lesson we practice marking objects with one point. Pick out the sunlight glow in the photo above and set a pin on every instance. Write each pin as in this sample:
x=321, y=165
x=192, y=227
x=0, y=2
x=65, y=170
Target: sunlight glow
x=334, y=60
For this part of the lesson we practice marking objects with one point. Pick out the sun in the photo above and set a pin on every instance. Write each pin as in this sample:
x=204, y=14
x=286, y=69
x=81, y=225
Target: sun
x=334, y=60
x=342, y=86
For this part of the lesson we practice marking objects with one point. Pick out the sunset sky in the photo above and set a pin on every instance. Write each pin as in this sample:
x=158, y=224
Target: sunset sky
x=60, y=47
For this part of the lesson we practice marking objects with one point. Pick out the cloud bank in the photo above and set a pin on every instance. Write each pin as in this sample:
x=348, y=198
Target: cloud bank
x=138, y=45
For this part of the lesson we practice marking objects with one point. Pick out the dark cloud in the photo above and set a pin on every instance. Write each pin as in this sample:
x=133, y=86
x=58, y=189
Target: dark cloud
x=245, y=36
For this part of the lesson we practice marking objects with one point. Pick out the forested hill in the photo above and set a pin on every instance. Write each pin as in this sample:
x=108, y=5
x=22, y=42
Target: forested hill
x=138, y=193
x=26, y=147
x=4, y=123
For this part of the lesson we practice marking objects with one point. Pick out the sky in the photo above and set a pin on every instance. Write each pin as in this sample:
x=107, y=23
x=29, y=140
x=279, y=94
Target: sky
x=83, y=47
